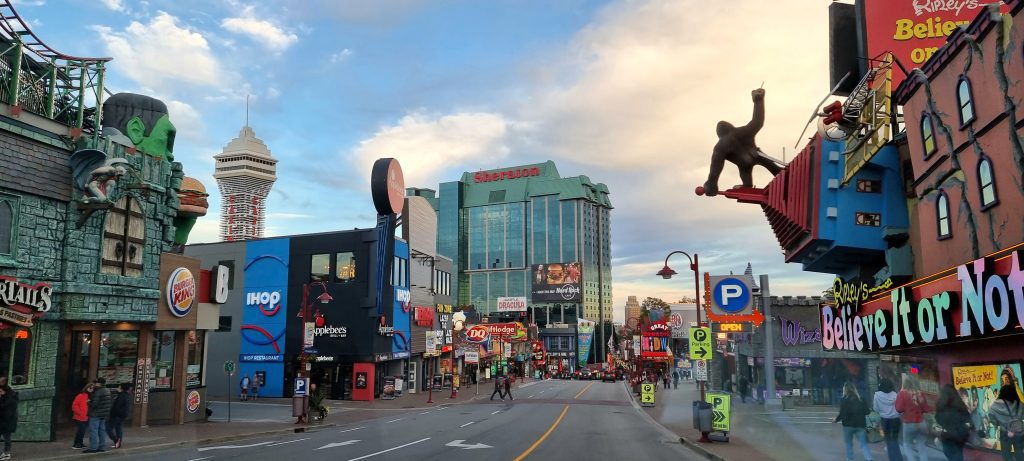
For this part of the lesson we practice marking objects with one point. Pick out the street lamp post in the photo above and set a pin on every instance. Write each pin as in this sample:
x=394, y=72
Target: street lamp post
x=458, y=320
x=306, y=317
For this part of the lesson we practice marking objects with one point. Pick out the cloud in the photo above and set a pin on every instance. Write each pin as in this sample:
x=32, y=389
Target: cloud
x=162, y=54
x=426, y=144
x=267, y=33
x=21, y=3
x=186, y=120
x=207, y=228
x=115, y=5
x=340, y=56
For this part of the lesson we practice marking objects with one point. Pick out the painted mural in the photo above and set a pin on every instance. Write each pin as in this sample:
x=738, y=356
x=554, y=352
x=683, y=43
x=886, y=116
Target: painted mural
x=978, y=386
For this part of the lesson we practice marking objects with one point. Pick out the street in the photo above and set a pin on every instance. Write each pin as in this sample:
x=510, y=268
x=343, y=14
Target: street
x=547, y=420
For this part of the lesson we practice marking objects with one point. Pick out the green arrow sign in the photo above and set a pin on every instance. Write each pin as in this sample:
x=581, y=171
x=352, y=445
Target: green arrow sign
x=229, y=367
x=700, y=343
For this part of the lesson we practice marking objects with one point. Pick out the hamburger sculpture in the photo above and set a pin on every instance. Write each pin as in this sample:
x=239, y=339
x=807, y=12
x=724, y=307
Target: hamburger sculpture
x=192, y=196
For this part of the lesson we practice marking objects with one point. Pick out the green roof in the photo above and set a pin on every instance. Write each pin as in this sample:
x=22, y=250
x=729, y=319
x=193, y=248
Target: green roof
x=506, y=188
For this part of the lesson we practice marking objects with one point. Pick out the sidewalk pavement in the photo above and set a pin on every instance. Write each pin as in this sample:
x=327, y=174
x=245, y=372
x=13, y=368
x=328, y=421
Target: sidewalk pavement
x=265, y=416
x=759, y=432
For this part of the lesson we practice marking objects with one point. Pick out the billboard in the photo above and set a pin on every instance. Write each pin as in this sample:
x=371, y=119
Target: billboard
x=585, y=335
x=557, y=282
x=978, y=386
x=512, y=304
x=912, y=29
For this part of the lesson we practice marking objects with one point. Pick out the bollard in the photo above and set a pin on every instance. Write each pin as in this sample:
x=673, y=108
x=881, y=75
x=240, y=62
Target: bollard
x=702, y=419
x=299, y=404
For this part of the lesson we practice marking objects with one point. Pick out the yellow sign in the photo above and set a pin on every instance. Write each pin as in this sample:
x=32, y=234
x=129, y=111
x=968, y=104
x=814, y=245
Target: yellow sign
x=700, y=343
x=647, y=394
x=720, y=403
x=730, y=327
x=874, y=97
x=976, y=376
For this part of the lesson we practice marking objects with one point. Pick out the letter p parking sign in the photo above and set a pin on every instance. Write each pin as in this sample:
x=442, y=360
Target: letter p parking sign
x=730, y=295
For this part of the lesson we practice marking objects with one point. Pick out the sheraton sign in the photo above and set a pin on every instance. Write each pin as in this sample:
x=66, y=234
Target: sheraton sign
x=515, y=173
x=982, y=298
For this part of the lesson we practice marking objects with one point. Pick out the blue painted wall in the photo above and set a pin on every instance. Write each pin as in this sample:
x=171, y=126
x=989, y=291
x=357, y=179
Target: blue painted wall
x=400, y=315
x=263, y=323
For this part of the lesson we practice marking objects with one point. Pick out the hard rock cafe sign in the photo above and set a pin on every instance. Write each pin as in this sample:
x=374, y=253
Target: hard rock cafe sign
x=20, y=303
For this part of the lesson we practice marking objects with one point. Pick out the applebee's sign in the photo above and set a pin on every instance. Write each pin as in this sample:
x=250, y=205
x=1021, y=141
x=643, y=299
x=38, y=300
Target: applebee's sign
x=974, y=302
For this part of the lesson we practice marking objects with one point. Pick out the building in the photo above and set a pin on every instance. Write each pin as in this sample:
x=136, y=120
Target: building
x=245, y=172
x=632, y=308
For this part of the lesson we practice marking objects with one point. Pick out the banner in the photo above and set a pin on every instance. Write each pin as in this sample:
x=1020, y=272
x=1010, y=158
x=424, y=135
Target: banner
x=585, y=333
x=559, y=282
x=512, y=304
x=979, y=386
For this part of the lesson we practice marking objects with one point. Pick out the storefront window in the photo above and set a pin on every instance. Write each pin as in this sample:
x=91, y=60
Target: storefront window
x=161, y=375
x=118, y=352
x=15, y=354
x=194, y=374
x=319, y=268
x=346, y=266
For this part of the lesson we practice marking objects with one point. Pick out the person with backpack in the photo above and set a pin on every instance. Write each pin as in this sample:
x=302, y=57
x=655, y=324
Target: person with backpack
x=80, y=413
x=912, y=406
x=954, y=423
x=885, y=404
x=853, y=412
x=243, y=386
x=1007, y=413
x=675, y=379
x=499, y=389
x=99, y=410
x=508, y=386
x=119, y=411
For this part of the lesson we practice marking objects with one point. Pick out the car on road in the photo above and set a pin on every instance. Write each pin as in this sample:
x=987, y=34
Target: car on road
x=608, y=375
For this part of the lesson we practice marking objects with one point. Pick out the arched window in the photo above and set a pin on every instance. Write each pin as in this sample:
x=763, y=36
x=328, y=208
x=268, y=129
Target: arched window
x=986, y=183
x=963, y=96
x=927, y=135
x=942, y=216
x=124, y=239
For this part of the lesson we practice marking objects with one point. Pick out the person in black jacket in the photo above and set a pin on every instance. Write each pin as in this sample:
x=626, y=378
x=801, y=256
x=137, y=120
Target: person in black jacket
x=853, y=412
x=954, y=422
x=119, y=411
x=99, y=410
x=8, y=417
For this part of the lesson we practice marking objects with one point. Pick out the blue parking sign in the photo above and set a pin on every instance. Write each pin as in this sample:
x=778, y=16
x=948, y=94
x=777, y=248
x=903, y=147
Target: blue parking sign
x=731, y=294
x=301, y=386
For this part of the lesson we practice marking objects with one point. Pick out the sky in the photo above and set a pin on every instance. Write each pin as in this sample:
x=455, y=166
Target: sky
x=626, y=92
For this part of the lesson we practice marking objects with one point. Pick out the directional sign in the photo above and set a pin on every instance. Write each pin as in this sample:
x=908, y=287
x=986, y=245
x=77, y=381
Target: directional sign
x=229, y=367
x=720, y=404
x=700, y=370
x=338, y=444
x=466, y=446
x=700, y=343
x=647, y=394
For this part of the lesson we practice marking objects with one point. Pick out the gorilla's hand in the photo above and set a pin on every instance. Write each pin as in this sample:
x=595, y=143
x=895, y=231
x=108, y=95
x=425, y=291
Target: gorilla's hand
x=757, y=95
x=710, y=188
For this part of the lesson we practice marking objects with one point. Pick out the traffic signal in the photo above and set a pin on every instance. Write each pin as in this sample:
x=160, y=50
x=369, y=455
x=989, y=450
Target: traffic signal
x=833, y=113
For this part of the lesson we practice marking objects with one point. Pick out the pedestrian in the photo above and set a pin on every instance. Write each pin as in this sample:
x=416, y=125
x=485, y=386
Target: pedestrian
x=255, y=389
x=8, y=416
x=1007, y=413
x=912, y=406
x=885, y=404
x=99, y=411
x=675, y=379
x=508, y=388
x=119, y=411
x=853, y=412
x=80, y=413
x=498, y=389
x=954, y=423
x=744, y=388
x=243, y=387
x=664, y=380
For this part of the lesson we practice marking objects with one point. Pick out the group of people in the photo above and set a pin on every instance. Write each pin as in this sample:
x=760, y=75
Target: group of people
x=903, y=414
x=249, y=388
x=102, y=413
x=503, y=387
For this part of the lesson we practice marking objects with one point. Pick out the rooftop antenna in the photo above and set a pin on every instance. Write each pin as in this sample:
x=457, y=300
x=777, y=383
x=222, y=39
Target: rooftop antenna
x=247, y=109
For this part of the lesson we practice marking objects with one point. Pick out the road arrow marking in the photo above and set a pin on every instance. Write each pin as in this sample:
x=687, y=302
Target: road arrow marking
x=230, y=447
x=338, y=444
x=459, y=444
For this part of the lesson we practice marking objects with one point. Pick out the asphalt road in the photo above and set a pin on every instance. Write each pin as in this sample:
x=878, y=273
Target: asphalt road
x=556, y=420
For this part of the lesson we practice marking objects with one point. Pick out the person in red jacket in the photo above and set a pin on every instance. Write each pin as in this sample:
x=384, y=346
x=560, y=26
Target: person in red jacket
x=912, y=406
x=80, y=413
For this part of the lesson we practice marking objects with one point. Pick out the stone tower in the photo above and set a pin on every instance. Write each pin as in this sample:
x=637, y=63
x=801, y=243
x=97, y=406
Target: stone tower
x=632, y=308
x=245, y=172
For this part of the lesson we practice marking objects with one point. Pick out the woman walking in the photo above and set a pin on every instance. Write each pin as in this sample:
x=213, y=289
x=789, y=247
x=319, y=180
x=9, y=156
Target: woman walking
x=119, y=412
x=8, y=417
x=954, y=422
x=912, y=406
x=1007, y=413
x=853, y=412
x=885, y=404
x=80, y=413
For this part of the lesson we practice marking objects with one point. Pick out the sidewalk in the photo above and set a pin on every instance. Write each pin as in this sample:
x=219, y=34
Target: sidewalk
x=265, y=416
x=806, y=433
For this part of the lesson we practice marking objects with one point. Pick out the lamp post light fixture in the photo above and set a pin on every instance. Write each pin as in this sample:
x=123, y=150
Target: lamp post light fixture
x=306, y=316
x=458, y=321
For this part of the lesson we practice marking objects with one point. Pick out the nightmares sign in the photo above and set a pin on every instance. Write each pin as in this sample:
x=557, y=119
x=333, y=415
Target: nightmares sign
x=982, y=298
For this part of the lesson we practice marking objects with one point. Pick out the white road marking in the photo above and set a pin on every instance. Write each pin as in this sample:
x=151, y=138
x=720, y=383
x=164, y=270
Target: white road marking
x=229, y=447
x=339, y=444
x=393, y=421
x=530, y=397
x=464, y=446
x=389, y=449
x=353, y=429
x=496, y=412
x=425, y=412
x=201, y=459
x=290, y=441
x=464, y=425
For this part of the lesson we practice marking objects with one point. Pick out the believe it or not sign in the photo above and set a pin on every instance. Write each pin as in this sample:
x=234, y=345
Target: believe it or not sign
x=700, y=343
x=700, y=370
x=647, y=394
x=980, y=299
x=720, y=406
x=512, y=304
x=913, y=29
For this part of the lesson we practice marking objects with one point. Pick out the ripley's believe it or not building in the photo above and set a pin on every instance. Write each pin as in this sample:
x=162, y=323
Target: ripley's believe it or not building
x=911, y=195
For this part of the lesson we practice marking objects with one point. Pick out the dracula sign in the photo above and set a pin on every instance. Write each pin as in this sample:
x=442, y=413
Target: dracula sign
x=979, y=299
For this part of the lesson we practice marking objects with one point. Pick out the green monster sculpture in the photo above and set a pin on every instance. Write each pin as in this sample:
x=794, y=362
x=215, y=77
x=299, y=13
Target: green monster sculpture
x=143, y=120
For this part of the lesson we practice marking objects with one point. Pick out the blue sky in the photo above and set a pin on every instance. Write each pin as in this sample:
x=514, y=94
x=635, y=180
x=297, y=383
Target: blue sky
x=627, y=93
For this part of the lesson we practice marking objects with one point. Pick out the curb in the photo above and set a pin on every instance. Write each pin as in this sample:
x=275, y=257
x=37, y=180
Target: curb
x=185, y=443
x=697, y=447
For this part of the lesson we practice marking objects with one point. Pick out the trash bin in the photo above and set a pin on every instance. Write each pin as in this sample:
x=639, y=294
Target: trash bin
x=702, y=416
x=300, y=403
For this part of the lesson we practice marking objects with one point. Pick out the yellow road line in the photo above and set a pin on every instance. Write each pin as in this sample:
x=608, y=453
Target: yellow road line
x=584, y=390
x=546, y=434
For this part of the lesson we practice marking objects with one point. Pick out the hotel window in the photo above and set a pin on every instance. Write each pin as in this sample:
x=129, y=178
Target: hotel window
x=124, y=238
x=963, y=95
x=15, y=355
x=319, y=267
x=942, y=214
x=9, y=206
x=345, y=269
x=927, y=135
x=869, y=219
x=986, y=183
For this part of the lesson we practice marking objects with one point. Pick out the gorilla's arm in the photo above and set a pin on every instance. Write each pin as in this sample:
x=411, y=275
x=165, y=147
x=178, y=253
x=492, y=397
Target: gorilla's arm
x=717, y=163
x=756, y=122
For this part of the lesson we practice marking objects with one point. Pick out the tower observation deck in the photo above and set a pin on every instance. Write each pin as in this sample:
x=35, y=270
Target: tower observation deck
x=245, y=172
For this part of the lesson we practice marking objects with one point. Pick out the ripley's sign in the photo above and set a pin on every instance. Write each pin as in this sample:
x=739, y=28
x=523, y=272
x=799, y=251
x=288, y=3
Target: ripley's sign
x=982, y=298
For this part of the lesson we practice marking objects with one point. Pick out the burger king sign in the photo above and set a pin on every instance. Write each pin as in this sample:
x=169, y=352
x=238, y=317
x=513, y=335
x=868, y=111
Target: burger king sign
x=181, y=292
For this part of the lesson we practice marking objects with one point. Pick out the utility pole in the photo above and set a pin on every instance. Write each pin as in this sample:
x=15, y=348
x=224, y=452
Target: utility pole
x=769, y=346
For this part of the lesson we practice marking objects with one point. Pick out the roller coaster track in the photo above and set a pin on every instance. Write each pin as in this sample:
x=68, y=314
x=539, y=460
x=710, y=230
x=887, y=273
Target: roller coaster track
x=16, y=29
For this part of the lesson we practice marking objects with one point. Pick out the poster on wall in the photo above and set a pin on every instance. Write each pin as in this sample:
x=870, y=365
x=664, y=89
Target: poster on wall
x=361, y=380
x=585, y=336
x=979, y=386
x=556, y=282
x=389, y=388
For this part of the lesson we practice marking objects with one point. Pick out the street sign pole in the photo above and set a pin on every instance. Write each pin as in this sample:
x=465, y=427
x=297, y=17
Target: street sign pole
x=229, y=371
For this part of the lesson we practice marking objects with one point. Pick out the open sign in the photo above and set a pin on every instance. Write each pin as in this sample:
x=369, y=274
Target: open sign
x=477, y=334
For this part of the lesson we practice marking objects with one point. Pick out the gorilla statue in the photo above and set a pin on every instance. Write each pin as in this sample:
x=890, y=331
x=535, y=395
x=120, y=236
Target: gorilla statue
x=736, y=144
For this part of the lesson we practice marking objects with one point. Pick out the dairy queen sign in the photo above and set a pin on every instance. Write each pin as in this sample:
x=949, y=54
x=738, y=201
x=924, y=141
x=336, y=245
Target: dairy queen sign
x=21, y=303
